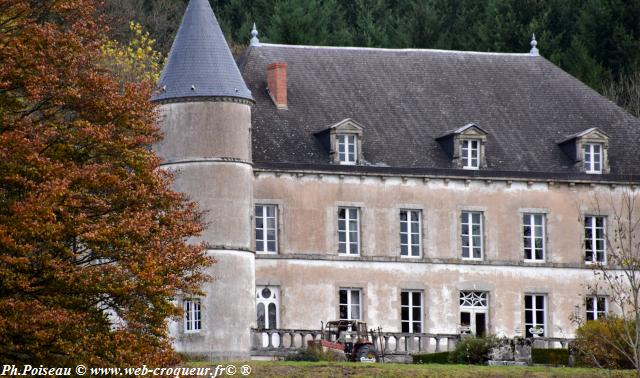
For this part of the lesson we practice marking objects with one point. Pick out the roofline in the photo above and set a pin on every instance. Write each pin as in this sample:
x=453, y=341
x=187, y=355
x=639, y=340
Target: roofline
x=203, y=98
x=448, y=173
x=395, y=50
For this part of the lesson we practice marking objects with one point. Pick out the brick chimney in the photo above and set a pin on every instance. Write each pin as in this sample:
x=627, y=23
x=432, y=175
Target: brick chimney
x=277, y=83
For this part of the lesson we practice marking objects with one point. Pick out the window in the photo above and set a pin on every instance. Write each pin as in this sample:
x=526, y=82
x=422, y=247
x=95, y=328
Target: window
x=347, y=148
x=596, y=307
x=474, y=306
x=594, y=239
x=471, y=235
x=533, y=236
x=266, y=228
x=592, y=157
x=348, y=231
x=411, y=311
x=470, y=154
x=535, y=315
x=267, y=299
x=350, y=304
x=410, y=233
x=192, y=319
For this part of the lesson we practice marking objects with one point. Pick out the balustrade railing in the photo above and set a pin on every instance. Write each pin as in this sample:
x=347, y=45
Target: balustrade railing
x=290, y=340
x=283, y=341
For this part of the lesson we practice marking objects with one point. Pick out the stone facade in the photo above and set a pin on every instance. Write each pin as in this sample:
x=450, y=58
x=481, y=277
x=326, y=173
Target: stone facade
x=303, y=233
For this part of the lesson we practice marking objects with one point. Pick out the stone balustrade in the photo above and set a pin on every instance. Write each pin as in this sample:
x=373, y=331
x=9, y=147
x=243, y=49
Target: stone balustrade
x=271, y=342
x=284, y=341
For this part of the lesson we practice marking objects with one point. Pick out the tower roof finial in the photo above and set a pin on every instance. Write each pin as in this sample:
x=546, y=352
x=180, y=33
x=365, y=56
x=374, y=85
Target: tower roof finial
x=534, y=50
x=254, y=36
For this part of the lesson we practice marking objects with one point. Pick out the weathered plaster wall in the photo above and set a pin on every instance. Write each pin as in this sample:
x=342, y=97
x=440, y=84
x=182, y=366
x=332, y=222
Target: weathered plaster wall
x=309, y=292
x=309, y=270
x=207, y=144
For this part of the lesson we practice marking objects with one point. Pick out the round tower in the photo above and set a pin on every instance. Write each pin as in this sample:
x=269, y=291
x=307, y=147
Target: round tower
x=205, y=116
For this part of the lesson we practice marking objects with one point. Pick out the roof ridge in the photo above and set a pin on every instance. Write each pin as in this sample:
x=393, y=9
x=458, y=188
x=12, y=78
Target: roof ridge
x=395, y=49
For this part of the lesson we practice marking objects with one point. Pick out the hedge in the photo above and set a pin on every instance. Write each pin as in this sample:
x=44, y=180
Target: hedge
x=431, y=358
x=550, y=356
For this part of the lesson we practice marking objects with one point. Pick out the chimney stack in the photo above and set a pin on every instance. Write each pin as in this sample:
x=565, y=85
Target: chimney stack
x=277, y=83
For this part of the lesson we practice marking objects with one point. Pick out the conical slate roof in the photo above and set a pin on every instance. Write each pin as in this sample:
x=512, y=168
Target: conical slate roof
x=200, y=63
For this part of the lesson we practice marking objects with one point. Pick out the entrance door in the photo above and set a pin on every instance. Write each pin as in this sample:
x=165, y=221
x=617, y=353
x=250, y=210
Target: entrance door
x=473, y=312
x=267, y=306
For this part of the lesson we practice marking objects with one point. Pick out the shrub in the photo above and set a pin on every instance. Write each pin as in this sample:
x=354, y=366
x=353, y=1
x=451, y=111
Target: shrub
x=431, y=358
x=315, y=355
x=599, y=343
x=550, y=356
x=473, y=350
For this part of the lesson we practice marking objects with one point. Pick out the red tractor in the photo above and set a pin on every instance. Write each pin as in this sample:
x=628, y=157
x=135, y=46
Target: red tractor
x=350, y=337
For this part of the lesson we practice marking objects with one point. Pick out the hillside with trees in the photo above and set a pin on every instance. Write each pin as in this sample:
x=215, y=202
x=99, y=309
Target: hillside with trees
x=598, y=41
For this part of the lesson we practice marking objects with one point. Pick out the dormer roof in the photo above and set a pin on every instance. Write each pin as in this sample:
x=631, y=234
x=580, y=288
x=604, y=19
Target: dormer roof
x=200, y=63
x=591, y=133
x=468, y=129
x=347, y=124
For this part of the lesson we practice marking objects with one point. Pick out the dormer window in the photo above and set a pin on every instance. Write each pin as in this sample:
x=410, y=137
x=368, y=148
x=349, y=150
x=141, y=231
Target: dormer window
x=588, y=150
x=343, y=141
x=592, y=153
x=470, y=154
x=347, y=148
x=466, y=146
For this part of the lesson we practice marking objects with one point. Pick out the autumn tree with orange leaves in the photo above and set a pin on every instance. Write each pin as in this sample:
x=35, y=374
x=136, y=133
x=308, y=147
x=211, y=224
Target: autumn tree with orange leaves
x=93, y=241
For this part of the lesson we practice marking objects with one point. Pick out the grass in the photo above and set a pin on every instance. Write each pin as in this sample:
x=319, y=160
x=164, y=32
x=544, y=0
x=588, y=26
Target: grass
x=274, y=369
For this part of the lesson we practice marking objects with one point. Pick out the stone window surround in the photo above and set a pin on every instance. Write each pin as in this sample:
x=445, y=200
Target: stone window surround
x=280, y=224
x=586, y=214
x=360, y=288
x=483, y=235
x=423, y=228
x=547, y=305
x=422, y=309
x=345, y=127
x=332, y=228
x=592, y=160
x=546, y=232
x=457, y=147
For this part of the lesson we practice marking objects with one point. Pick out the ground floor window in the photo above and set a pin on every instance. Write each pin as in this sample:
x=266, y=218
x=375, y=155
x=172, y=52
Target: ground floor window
x=350, y=300
x=192, y=315
x=474, y=309
x=267, y=304
x=411, y=311
x=535, y=315
x=596, y=307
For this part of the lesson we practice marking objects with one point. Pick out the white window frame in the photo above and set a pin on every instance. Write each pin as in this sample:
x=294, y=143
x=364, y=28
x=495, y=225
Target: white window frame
x=351, y=225
x=474, y=302
x=350, y=303
x=347, y=148
x=410, y=306
x=192, y=315
x=590, y=224
x=592, y=157
x=469, y=237
x=529, y=242
x=272, y=299
x=265, y=229
x=534, y=309
x=596, y=311
x=412, y=217
x=467, y=147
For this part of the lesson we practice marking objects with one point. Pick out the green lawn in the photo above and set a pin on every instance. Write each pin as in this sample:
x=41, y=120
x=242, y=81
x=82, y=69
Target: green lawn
x=274, y=369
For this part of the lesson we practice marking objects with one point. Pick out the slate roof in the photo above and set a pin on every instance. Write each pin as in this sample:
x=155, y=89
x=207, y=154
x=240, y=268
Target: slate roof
x=200, y=59
x=405, y=99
